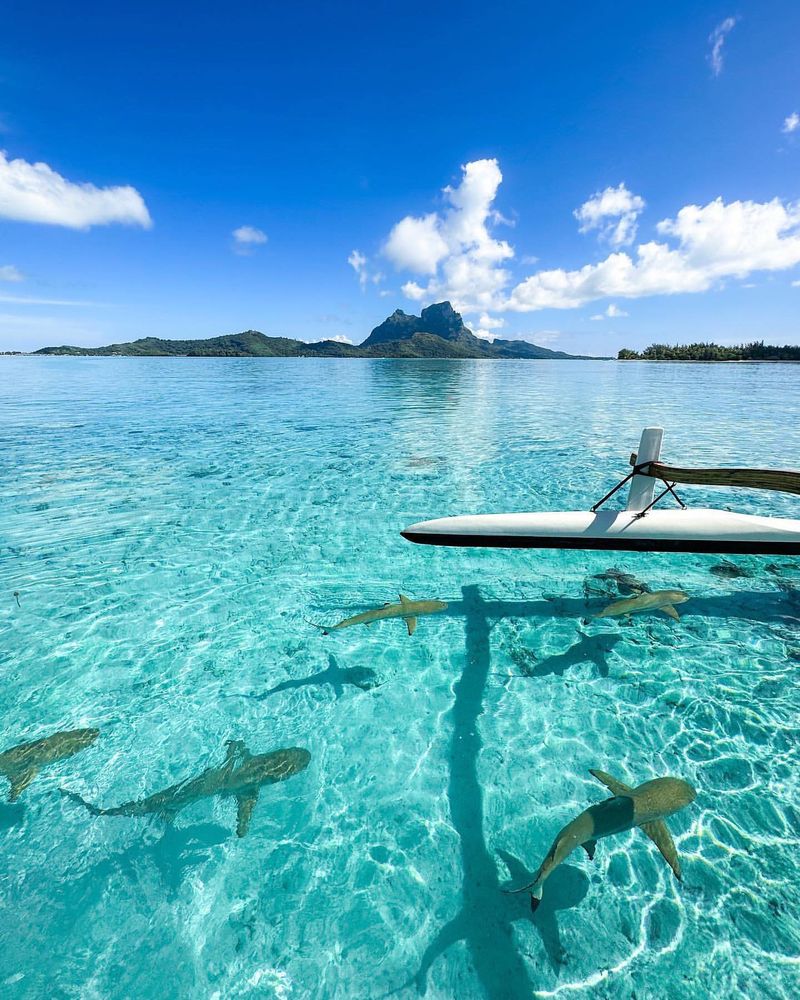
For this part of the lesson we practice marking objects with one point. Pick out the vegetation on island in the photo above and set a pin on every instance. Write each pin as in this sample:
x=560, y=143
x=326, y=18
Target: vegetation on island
x=756, y=351
x=439, y=332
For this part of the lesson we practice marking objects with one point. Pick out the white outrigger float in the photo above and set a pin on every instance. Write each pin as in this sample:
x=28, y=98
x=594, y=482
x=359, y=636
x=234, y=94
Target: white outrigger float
x=640, y=527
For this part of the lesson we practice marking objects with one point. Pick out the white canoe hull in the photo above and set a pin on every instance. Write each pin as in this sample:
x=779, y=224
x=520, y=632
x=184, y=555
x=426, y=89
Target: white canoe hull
x=689, y=530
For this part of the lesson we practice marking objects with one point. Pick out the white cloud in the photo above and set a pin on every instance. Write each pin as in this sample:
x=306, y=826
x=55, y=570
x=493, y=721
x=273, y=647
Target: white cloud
x=454, y=248
x=416, y=244
x=358, y=262
x=791, y=123
x=34, y=192
x=491, y=322
x=717, y=41
x=340, y=339
x=486, y=325
x=714, y=241
x=10, y=273
x=246, y=239
x=696, y=250
x=613, y=213
x=612, y=312
x=796, y=284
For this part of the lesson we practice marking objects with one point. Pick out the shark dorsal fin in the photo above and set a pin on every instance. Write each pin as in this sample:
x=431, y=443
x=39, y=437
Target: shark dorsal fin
x=657, y=831
x=404, y=600
x=20, y=780
x=614, y=786
x=245, y=806
x=236, y=751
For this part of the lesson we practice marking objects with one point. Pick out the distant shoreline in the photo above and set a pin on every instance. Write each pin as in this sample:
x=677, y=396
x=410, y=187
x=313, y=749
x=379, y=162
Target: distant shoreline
x=316, y=357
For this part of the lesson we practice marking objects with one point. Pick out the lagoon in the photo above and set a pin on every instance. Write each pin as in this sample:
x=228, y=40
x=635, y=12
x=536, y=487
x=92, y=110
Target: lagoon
x=171, y=525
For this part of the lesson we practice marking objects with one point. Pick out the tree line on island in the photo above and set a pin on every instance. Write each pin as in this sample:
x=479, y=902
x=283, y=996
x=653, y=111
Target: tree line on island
x=755, y=351
x=438, y=333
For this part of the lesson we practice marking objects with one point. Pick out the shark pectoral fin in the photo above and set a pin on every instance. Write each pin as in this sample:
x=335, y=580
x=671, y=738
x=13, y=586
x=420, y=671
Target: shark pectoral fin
x=668, y=609
x=411, y=624
x=590, y=847
x=20, y=781
x=167, y=815
x=614, y=786
x=662, y=838
x=246, y=804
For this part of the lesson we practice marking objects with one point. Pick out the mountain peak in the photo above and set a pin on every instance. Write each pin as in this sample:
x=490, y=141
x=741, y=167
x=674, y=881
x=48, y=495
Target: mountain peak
x=440, y=319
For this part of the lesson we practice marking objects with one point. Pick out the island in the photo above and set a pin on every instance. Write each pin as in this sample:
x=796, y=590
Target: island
x=757, y=351
x=439, y=332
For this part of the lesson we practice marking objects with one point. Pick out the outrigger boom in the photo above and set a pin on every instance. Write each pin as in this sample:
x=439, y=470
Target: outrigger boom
x=639, y=527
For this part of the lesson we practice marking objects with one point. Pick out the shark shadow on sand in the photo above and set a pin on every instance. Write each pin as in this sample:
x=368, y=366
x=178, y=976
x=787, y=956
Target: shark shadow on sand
x=588, y=649
x=568, y=887
x=361, y=677
x=172, y=854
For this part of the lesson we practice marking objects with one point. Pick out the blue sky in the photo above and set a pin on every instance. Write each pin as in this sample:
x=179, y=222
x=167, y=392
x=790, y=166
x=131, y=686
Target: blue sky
x=568, y=139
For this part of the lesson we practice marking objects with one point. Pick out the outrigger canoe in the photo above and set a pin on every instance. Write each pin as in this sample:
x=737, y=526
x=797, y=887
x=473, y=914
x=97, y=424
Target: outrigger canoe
x=639, y=527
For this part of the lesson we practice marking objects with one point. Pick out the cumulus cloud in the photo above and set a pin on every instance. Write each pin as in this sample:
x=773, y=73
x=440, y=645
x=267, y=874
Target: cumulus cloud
x=717, y=41
x=791, y=123
x=10, y=273
x=486, y=325
x=613, y=213
x=247, y=238
x=714, y=242
x=340, y=339
x=454, y=248
x=612, y=312
x=34, y=192
x=696, y=250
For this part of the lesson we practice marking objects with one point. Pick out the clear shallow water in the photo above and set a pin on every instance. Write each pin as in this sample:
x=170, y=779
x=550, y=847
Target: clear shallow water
x=170, y=525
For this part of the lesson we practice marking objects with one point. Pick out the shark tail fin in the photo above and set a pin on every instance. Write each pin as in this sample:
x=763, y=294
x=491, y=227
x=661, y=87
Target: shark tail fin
x=19, y=781
x=94, y=810
x=321, y=628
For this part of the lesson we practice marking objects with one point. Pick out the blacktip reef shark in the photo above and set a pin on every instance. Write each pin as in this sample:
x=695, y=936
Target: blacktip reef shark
x=240, y=777
x=406, y=609
x=22, y=763
x=659, y=600
x=645, y=806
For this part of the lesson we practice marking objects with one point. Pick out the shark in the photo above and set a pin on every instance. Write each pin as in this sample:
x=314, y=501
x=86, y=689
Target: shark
x=645, y=807
x=659, y=600
x=22, y=763
x=240, y=777
x=406, y=609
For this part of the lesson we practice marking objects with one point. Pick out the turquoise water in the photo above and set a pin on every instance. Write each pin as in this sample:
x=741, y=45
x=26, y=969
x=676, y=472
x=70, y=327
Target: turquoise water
x=170, y=525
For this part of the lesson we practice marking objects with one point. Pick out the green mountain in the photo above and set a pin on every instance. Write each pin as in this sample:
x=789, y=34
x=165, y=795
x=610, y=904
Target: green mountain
x=438, y=333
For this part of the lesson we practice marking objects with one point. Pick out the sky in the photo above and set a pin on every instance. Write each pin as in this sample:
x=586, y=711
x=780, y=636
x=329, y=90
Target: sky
x=585, y=176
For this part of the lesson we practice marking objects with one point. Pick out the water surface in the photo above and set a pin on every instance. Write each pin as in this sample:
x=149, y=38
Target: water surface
x=169, y=525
